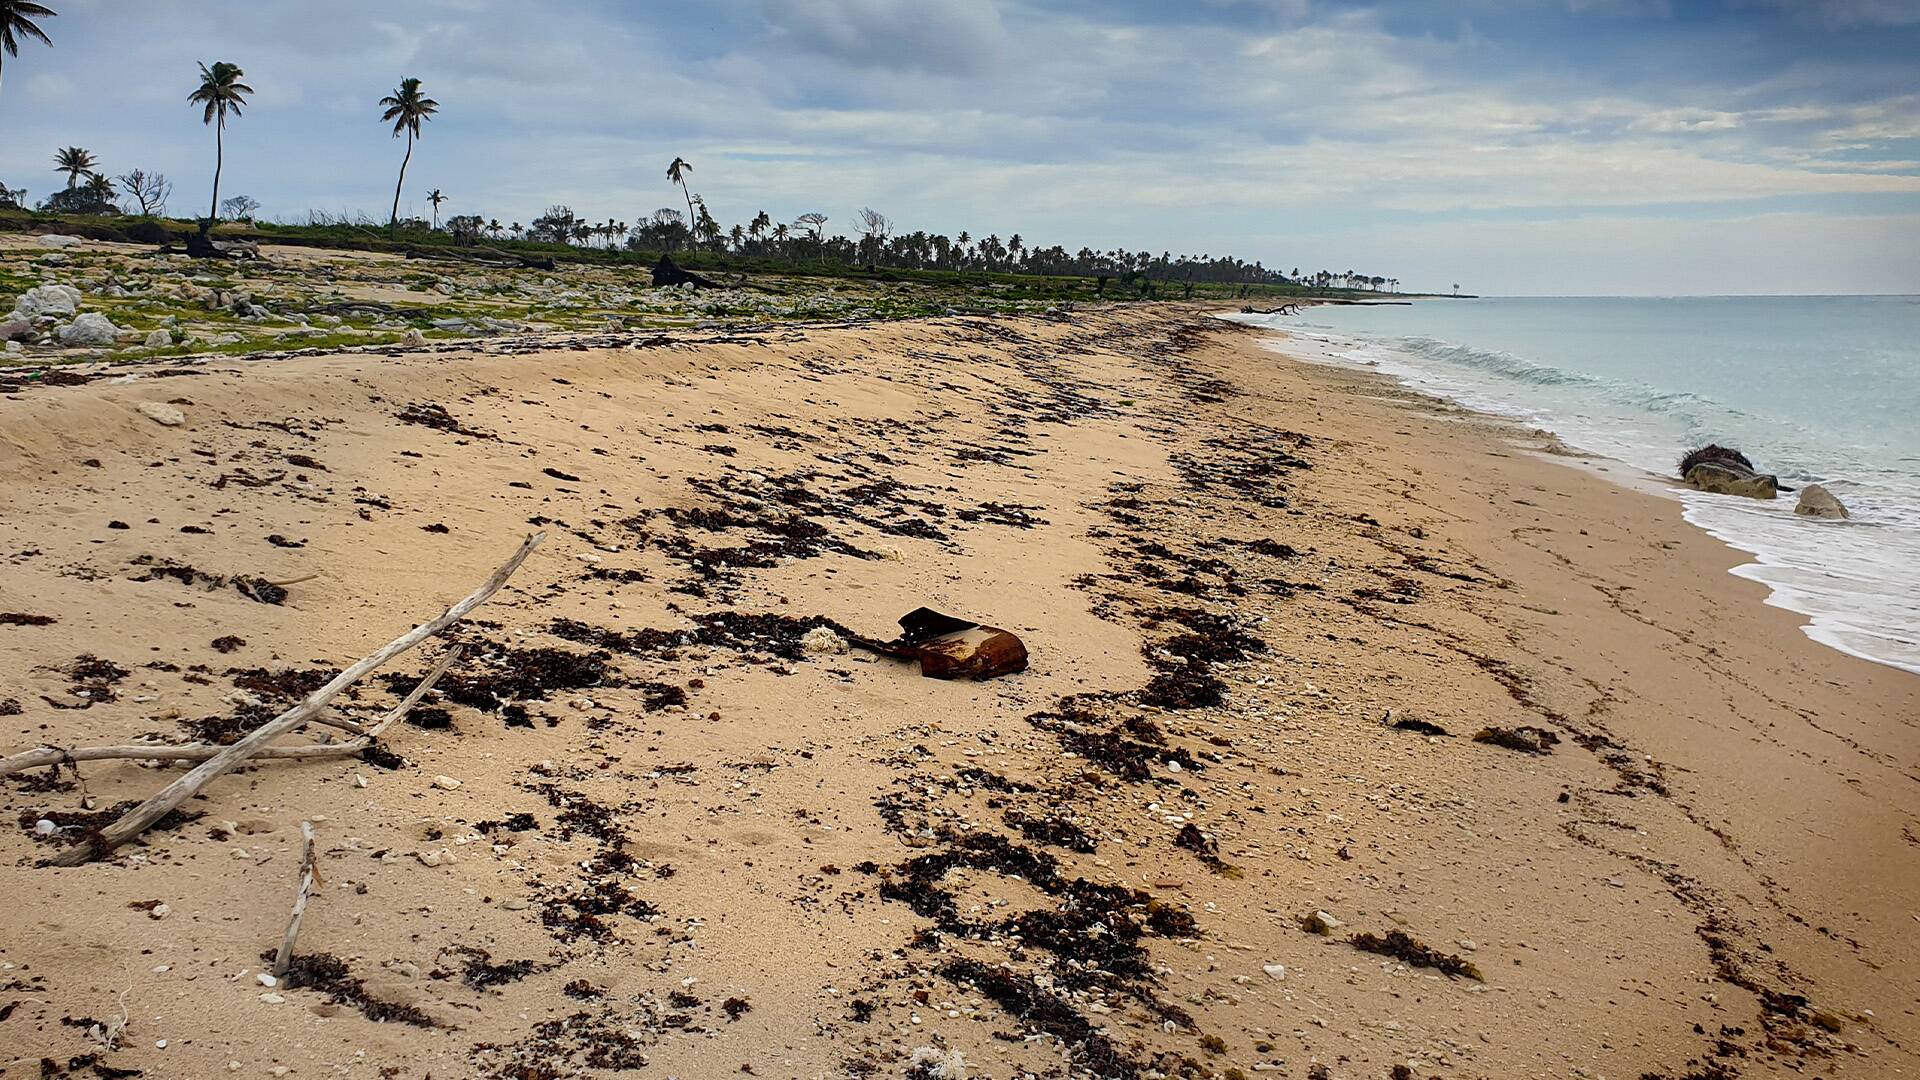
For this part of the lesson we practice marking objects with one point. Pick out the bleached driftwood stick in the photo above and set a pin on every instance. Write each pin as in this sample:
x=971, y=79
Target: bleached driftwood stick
x=309, y=871
x=137, y=820
x=42, y=757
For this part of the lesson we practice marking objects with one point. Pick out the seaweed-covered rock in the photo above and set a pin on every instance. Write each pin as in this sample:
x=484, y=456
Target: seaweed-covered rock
x=1720, y=479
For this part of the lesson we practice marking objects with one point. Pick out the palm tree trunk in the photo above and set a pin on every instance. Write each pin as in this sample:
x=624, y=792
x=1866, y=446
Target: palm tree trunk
x=219, y=159
x=692, y=237
x=393, y=223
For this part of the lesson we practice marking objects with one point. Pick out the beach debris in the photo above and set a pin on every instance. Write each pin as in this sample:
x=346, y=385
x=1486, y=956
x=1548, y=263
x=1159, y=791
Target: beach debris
x=309, y=876
x=667, y=272
x=1319, y=922
x=822, y=641
x=1722, y=470
x=163, y=414
x=216, y=761
x=1526, y=738
x=936, y=1063
x=951, y=648
x=1817, y=501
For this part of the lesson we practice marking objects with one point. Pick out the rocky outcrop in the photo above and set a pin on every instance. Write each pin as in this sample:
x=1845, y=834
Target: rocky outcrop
x=1732, y=480
x=45, y=300
x=91, y=328
x=1722, y=470
x=1816, y=501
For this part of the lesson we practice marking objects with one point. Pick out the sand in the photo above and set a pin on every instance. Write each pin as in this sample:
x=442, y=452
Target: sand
x=713, y=852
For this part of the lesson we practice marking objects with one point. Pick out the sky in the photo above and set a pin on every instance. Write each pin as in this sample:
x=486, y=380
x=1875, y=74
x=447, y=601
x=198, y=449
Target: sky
x=1573, y=147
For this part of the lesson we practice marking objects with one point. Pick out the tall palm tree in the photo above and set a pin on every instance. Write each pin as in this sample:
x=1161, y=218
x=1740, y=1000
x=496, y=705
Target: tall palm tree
x=75, y=162
x=407, y=108
x=677, y=174
x=222, y=92
x=436, y=199
x=16, y=23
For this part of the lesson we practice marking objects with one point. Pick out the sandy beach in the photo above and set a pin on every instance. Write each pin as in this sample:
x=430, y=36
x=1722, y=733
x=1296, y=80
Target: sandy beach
x=1363, y=736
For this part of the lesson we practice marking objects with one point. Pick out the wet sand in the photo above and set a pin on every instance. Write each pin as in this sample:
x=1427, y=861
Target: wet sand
x=1254, y=591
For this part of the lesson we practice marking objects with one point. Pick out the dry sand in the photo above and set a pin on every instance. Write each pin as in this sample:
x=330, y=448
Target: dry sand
x=826, y=865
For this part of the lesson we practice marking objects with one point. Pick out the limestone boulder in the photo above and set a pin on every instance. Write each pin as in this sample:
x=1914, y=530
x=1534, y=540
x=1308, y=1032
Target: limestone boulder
x=46, y=300
x=91, y=328
x=1818, y=502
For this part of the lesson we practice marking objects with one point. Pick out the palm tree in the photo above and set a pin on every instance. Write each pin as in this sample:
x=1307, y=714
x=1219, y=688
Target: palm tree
x=408, y=108
x=677, y=174
x=75, y=162
x=222, y=92
x=436, y=199
x=16, y=22
x=102, y=191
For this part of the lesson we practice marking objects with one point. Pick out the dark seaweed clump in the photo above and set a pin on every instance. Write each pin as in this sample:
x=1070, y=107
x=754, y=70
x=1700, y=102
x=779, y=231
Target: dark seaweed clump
x=1421, y=727
x=330, y=975
x=1410, y=952
x=481, y=973
x=90, y=822
x=1526, y=739
x=1042, y=1010
x=497, y=674
x=1714, y=454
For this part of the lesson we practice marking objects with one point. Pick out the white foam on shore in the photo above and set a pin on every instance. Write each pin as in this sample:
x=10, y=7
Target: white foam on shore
x=1857, y=581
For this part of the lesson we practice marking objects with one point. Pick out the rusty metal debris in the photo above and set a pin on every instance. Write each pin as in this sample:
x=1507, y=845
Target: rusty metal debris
x=950, y=648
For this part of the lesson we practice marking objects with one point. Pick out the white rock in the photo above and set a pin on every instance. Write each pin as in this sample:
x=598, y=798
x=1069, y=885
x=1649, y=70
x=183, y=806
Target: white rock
x=45, y=827
x=939, y=1062
x=45, y=300
x=159, y=339
x=414, y=337
x=160, y=911
x=823, y=642
x=445, y=783
x=58, y=240
x=267, y=980
x=91, y=328
x=163, y=414
x=273, y=999
x=1275, y=971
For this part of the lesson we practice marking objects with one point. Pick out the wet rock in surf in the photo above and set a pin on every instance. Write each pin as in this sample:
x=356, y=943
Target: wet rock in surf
x=1816, y=501
x=1732, y=480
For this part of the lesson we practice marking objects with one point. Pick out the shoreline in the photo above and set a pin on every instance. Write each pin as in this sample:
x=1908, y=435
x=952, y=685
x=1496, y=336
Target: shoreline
x=1233, y=577
x=1793, y=584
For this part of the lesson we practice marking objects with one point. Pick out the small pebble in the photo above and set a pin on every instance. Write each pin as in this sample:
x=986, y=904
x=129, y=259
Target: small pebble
x=445, y=783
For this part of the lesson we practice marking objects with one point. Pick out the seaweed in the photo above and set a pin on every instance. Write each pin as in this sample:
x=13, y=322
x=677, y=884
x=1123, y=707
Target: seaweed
x=1526, y=738
x=330, y=975
x=1398, y=945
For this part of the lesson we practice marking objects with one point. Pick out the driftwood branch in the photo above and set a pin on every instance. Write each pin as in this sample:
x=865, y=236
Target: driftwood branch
x=45, y=756
x=139, y=819
x=309, y=871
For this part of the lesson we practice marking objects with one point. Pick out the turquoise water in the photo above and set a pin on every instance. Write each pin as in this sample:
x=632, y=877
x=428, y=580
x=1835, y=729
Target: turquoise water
x=1815, y=389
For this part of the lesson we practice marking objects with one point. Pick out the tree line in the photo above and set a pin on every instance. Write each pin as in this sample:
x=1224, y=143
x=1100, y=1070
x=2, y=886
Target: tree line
x=874, y=242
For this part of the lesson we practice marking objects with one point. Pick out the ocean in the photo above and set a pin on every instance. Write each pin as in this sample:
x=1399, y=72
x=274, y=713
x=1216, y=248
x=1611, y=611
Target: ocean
x=1819, y=389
